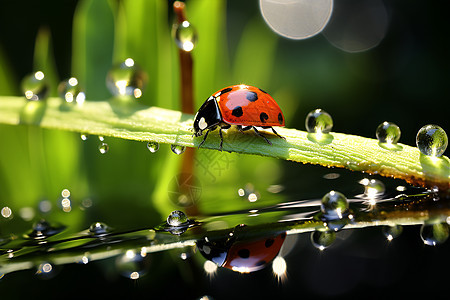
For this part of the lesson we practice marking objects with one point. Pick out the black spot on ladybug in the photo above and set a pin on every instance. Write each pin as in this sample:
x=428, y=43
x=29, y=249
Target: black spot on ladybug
x=251, y=96
x=226, y=90
x=280, y=118
x=237, y=112
x=283, y=235
x=269, y=242
x=262, y=91
x=244, y=253
x=263, y=117
x=260, y=263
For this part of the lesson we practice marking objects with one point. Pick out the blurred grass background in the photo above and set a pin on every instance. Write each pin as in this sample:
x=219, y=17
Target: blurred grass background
x=403, y=80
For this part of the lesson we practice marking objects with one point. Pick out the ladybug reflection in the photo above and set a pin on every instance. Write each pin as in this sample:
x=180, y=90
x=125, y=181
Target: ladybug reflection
x=242, y=255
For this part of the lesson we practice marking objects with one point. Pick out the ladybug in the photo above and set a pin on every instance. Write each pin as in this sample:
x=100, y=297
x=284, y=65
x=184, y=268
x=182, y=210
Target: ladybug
x=241, y=105
x=242, y=256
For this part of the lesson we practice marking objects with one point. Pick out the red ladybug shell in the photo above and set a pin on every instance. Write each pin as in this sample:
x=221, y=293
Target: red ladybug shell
x=248, y=106
x=251, y=256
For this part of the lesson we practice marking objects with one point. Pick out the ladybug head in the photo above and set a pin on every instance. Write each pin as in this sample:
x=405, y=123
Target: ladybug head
x=215, y=251
x=207, y=117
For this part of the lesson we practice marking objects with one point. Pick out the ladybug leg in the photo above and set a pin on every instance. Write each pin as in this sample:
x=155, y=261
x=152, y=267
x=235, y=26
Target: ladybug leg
x=258, y=133
x=204, y=139
x=244, y=129
x=273, y=129
x=221, y=139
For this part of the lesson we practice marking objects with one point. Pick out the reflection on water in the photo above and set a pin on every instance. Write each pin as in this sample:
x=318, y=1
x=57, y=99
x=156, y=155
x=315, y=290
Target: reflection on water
x=197, y=245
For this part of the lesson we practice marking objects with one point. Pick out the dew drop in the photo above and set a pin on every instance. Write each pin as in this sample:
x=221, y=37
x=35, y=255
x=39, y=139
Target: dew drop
x=35, y=87
x=43, y=229
x=388, y=132
x=322, y=239
x=84, y=136
x=373, y=188
x=434, y=233
x=126, y=79
x=334, y=205
x=318, y=121
x=103, y=148
x=70, y=91
x=177, y=218
x=152, y=147
x=99, y=228
x=432, y=140
x=185, y=35
x=392, y=232
x=177, y=149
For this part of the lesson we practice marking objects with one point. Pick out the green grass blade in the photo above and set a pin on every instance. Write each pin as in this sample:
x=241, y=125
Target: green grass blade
x=140, y=123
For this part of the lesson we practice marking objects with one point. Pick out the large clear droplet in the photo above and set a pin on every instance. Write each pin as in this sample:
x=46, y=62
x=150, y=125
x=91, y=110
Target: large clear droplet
x=185, y=35
x=318, y=121
x=434, y=233
x=177, y=218
x=334, y=205
x=296, y=19
x=35, y=86
x=322, y=239
x=126, y=79
x=177, y=149
x=388, y=132
x=152, y=147
x=71, y=92
x=432, y=140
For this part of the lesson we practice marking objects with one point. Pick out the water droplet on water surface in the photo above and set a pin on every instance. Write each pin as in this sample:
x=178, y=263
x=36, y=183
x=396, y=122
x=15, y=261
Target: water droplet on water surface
x=434, y=233
x=99, y=228
x=126, y=79
x=45, y=270
x=322, y=239
x=177, y=218
x=177, y=149
x=103, y=148
x=432, y=140
x=42, y=229
x=152, y=147
x=185, y=35
x=373, y=188
x=71, y=92
x=318, y=121
x=388, y=132
x=35, y=86
x=335, y=210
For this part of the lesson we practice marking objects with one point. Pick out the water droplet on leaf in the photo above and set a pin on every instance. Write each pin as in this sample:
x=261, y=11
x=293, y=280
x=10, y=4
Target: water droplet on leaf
x=126, y=79
x=388, y=132
x=177, y=218
x=177, y=149
x=84, y=136
x=185, y=35
x=103, y=148
x=432, y=140
x=152, y=147
x=35, y=86
x=318, y=121
x=71, y=92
